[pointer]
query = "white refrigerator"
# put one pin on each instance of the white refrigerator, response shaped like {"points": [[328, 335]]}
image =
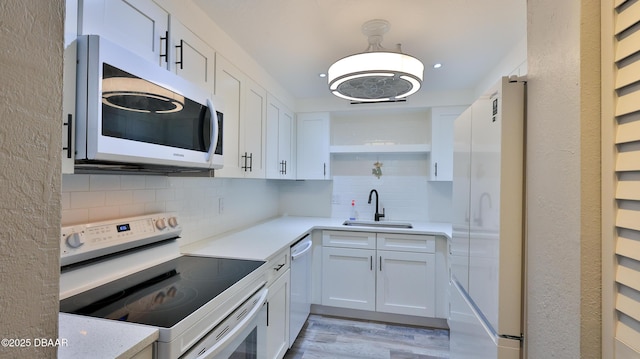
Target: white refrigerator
{"points": [[486, 250]]}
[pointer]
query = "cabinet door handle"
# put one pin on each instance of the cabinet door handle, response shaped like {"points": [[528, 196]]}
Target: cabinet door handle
{"points": [[181, 54], [69, 125], [244, 157], [279, 267], [324, 169], [285, 167], [436, 169], [166, 46], [380, 263], [267, 304], [370, 262], [251, 162]]}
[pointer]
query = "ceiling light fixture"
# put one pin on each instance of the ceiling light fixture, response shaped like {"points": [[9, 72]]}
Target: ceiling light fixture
{"points": [[377, 74]]}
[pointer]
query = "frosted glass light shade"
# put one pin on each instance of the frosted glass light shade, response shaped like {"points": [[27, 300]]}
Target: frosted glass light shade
{"points": [[375, 76]]}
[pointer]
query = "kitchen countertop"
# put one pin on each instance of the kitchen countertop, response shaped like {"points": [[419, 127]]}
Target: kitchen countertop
{"points": [[264, 240], [100, 338], [88, 337]]}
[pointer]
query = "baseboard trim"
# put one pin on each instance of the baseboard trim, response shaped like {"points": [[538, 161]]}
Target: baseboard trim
{"points": [[439, 323]]}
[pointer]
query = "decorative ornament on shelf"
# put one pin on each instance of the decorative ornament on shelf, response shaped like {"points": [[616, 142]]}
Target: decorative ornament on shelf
{"points": [[377, 169]]}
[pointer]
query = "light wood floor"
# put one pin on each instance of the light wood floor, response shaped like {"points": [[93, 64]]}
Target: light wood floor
{"points": [[328, 337]]}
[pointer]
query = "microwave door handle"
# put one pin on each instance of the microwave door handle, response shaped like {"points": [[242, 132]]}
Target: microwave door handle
{"points": [[214, 133]]}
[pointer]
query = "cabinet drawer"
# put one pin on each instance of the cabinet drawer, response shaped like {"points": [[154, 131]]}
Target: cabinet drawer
{"points": [[348, 239], [407, 242], [277, 266]]}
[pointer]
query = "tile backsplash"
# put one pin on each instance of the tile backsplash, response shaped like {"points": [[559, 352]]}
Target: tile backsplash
{"points": [[89, 198], [401, 180], [404, 189]]}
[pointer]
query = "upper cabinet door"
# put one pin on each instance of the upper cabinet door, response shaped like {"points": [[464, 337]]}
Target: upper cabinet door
{"points": [[138, 25], [313, 146], [244, 104], [285, 143], [442, 119], [252, 128], [280, 139], [228, 90], [191, 57]]}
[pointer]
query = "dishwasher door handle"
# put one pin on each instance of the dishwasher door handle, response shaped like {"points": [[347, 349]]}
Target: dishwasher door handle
{"points": [[303, 251]]}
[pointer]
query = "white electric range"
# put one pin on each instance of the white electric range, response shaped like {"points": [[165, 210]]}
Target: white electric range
{"points": [[131, 270]]}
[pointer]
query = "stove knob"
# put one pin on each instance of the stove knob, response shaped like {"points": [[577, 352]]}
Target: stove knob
{"points": [[173, 222], [161, 224], [74, 240]]}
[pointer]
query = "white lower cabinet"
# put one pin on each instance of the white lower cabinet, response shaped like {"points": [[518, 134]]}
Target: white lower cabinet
{"points": [[406, 283], [399, 281], [278, 307], [348, 278]]}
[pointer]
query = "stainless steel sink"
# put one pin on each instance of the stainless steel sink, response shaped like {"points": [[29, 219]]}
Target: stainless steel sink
{"points": [[380, 224]]}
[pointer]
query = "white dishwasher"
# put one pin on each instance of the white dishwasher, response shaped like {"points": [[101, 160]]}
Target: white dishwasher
{"points": [[300, 301]]}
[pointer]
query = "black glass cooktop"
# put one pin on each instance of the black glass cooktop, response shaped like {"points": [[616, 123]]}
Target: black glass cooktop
{"points": [[162, 295]]}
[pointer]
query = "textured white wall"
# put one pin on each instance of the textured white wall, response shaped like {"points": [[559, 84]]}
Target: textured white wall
{"points": [[562, 178], [30, 138]]}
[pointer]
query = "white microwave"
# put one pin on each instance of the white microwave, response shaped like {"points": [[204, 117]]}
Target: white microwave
{"points": [[133, 112]]}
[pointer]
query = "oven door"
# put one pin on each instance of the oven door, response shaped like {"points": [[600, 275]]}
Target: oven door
{"points": [[130, 111], [241, 335]]}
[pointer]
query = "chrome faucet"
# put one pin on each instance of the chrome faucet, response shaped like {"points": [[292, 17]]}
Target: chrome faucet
{"points": [[377, 216]]}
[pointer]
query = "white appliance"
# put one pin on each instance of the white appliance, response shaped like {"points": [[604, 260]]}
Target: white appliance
{"points": [[133, 112], [131, 270], [300, 301], [486, 251]]}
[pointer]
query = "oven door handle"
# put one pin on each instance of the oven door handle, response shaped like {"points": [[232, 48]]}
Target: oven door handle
{"points": [[214, 133], [229, 334]]}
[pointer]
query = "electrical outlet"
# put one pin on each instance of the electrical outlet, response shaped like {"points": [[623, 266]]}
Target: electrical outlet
{"points": [[220, 205]]}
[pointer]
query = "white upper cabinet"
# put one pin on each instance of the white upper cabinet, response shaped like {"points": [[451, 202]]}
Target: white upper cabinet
{"points": [[252, 128], [191, 57], [312, 149], [280, 141], [228, 90], [442, 119], [244, 107], [141, 26]]}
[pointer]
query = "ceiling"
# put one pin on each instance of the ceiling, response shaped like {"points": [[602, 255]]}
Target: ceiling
{"points": [[296, 40]]}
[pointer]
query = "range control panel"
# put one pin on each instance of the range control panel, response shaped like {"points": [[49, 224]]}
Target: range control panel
{"points": [[87, 241]]}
